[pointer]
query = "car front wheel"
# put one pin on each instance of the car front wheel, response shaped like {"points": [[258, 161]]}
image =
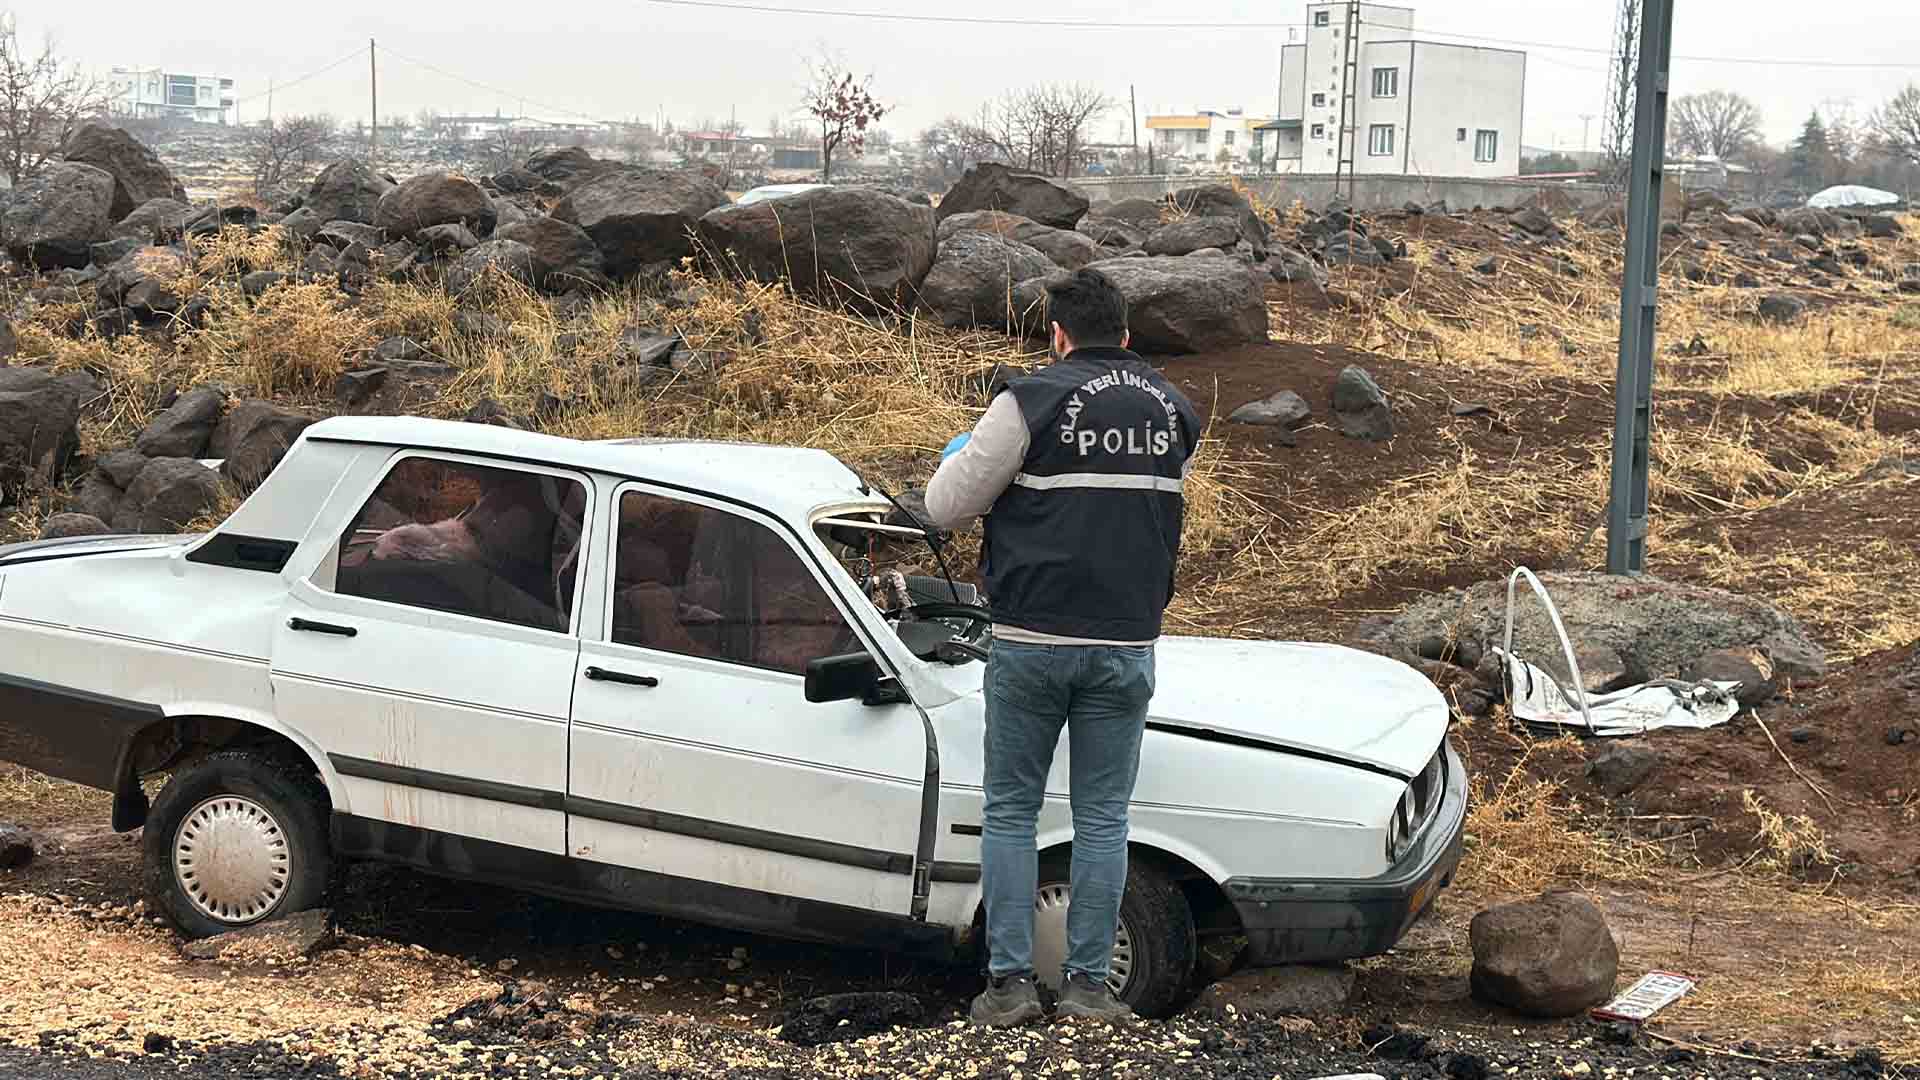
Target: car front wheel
{"points": [[236, 839], [1154, 946]]}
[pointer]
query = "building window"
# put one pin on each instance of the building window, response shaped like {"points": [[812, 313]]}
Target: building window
{"points": [[1321, 18], [1229, 137], [1319, 131], [1319, 101], [1380, 140], [1386, 82], [1462, 136], [1200, 137], [1486, 146]]}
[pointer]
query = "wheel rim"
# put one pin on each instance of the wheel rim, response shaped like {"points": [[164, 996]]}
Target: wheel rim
{"points": [[230, 859], [1050, 940]]}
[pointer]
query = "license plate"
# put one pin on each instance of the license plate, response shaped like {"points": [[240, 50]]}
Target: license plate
{"points": [[1648, 995], [1421, 894]]}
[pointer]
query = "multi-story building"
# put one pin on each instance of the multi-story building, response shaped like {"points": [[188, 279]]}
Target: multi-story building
{"points": [[1200, 134], [1424, 108], [154, 94]]}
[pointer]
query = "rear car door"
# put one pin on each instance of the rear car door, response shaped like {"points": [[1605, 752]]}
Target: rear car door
{"points": [[432, 652], [695, 753]]}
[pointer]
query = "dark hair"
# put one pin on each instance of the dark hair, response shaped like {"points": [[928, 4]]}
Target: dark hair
{"points": [[1088, 306]]}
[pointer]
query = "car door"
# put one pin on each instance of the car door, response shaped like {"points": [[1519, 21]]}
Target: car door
{"points": [[431, 653], [695, 752]]}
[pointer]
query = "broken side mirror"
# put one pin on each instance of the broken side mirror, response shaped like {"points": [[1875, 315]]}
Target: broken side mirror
{"points": [[850, 676]]}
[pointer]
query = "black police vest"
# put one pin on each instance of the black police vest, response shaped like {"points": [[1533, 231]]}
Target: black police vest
{"points": [[1084, 541]]}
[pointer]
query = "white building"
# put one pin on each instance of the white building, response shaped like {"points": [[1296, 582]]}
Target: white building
{"points": [[154, 94], [1421, 108], [1216, 137]]}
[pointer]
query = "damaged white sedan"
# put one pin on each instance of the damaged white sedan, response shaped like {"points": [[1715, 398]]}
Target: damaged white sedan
{"points": [[681, 677]]}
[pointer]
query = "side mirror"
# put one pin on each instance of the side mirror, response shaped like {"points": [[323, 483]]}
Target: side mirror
{"points": [[853, 675]]}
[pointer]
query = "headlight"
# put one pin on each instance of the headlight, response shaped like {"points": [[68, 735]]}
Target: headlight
{"points": [[1400, 827]]}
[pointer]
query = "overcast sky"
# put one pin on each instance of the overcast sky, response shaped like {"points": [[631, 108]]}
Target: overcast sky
{"points": [[611, 59]]}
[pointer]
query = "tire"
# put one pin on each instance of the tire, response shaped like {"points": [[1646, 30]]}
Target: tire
{"points": [[269, 815], [1157, 922]]}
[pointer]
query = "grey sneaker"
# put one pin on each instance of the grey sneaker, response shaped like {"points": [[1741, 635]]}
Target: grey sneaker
{"points": [[1008, 1001], [1081, 997]]}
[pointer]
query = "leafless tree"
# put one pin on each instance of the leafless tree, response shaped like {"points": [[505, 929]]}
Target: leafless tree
{"points": [[397, 124], [42, 100], [510, 148], [1716, 123], [842, 104], [951, 147], [1896, 127], [1042, 128], [285, 148]]}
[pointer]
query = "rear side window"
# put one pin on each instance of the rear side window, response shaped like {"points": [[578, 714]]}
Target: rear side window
{"points": [[493, 543], [697, 581]]}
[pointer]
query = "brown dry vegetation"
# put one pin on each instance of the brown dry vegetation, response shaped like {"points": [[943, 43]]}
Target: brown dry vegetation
{"points": [[1782, 469]]}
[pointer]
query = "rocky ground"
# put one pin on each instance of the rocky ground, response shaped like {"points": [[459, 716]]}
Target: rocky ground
{"points": [[1401, 406]]}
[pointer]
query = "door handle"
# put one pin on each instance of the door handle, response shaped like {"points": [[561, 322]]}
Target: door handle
{"points": [[598, 674], [298, 623]]}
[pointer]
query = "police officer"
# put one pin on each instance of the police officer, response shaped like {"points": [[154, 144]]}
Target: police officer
{"points": [[1078, 470]]}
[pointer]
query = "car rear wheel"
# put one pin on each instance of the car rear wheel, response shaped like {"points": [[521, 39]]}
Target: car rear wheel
{"points": [[236, 839], [1154, 946]]}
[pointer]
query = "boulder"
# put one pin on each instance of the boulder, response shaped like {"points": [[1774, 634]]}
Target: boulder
{"points": [[566, 167], [1221, 200], [167, 496], [992, 186], [481, 326], [1741, 228], [644, 346], [212, 220], [850, 245], [252, 438], [1882, 226], [1622, 766], [1488, 265], [1360, 407], [108, 252], [1708, 200], [1297, 990], [1350, 248], [563, 255], [1552, 957], [508, 257], [402, 349], [1067, 249], [355, 388], [156, 221], [1656, 627], [642, 220], [148, 282], [138, 174], [1142, 214], [1782, 308], [1745, 665], [9, 341], [186, 426], [38, 414], [54, 219], [846, 1017], [302, 223], [16, 847], [1193, 234], [347, 190], [1286, 264], [344, 234], [256, 284], [1113, 233], [65, 526], [1177, 305], [435, 198], [277, 941], [508, 212], [973, 278], [1534, 221], [1285, 409]]}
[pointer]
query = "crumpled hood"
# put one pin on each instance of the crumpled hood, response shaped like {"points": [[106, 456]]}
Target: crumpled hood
{"points": [[1320, 699], [76, 546]]}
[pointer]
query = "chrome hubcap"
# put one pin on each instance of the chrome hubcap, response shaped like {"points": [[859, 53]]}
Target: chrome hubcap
{"points": [[231, 860], [1050, 941]]}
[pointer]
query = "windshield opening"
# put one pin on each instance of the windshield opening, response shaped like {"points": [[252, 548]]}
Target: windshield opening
{"points": [[897, 570]]}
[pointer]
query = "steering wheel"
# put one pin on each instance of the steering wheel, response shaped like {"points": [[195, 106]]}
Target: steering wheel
{"points": [[966, 643]]}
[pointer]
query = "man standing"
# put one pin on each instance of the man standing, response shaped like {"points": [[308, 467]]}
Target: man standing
{"points": [[1078, 469]]}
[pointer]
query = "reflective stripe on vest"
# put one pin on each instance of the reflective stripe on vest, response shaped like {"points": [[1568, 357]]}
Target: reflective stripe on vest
{"points": [[1118, 481]]}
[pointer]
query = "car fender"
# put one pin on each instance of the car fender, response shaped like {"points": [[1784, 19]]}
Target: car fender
{"points": [[226, 710], [1137, 837]]}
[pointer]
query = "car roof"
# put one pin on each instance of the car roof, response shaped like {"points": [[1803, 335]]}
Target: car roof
{"points": [[790, 481]]}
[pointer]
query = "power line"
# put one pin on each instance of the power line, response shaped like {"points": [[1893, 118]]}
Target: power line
{"points": [[525, 100], [316, 73], [1076, 24]]}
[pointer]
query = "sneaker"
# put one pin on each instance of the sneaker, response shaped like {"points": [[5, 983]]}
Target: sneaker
{"points": [[1007, 1001], [1083, 997]]}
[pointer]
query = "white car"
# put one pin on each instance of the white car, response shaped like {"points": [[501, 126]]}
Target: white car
{"points": [[682, 677]]}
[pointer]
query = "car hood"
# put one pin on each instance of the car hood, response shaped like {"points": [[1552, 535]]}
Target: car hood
{"points": [[1324, 700], [76, 546]]}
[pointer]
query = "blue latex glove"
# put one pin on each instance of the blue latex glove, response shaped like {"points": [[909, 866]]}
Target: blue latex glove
{"points": [[953, 447]]}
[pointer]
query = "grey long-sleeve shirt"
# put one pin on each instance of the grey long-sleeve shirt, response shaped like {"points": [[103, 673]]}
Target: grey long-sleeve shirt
{"points": [[967, 485]]}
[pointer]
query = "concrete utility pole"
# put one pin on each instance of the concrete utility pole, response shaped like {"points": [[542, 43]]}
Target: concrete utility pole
{"points": [[1639, 296], [373, 130], [1133, 107]]}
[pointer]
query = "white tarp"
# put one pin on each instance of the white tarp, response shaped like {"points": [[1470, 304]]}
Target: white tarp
{"points": [[1536, 697], [1836, 198]]}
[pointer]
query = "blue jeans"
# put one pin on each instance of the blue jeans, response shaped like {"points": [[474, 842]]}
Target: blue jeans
{"points": [[1100, 694]]}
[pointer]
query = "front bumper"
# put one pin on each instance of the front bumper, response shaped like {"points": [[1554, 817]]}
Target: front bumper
{"points": [[1304, 921]]}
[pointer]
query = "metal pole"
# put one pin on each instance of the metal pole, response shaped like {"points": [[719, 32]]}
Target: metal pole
{"points": [[373, 132], [1639, 298], [1133, 106]]}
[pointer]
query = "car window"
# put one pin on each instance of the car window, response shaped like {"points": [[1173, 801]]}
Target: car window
{"points": [[699, 581], [493, 543]]}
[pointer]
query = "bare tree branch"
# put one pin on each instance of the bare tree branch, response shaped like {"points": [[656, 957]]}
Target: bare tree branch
{"points": [[1896, 126], [42, 101], [285, 148], [1042, 128], [1717, 123]]}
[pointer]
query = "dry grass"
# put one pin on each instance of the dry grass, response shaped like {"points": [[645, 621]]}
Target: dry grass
{"points": [[294, 339]]}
